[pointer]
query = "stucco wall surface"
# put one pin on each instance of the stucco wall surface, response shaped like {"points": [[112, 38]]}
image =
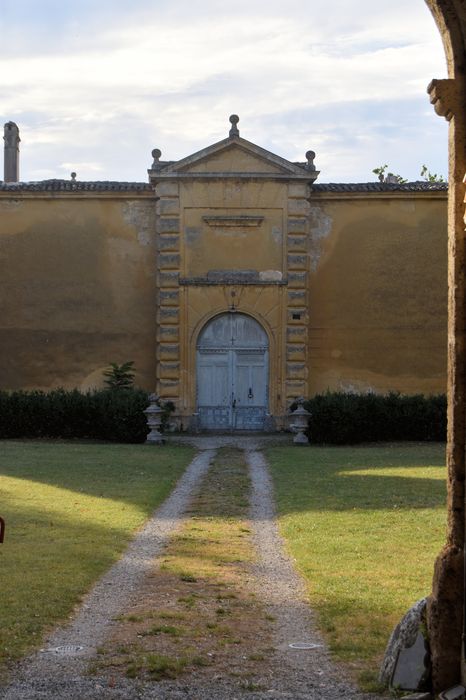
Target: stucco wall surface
{"points": [[378, 294], [78, 286], [77, 290]]}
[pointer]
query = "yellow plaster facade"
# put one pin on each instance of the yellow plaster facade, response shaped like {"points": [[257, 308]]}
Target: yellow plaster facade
{"points": [[347, 281]]}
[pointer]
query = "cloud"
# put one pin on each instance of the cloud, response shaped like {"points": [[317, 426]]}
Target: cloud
{"points": [[86, 76]]}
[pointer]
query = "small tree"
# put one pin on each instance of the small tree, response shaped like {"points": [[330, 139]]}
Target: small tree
{"points": [[120, 376], [387, 177], [431, 177]]}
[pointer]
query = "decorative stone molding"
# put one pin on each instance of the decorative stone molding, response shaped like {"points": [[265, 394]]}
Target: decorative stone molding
{"points": [[231, 278], [236, 221], [445, 97]]}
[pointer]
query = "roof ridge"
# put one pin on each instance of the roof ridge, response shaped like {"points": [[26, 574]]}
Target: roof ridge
{"points": [[415, 186], [62, 185]]}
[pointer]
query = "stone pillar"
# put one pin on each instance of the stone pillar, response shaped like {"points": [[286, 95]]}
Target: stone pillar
{"points": [[168, 308], [11, 152], [297, 306], [445, 609]]}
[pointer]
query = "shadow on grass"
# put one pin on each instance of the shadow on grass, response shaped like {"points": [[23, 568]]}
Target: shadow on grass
{"points": [[47, 562], [125, 473], [359, 478]]}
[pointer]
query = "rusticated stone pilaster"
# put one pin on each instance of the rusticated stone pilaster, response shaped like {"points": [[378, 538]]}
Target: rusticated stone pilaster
{"points": [[297, 311], [168, 306]]}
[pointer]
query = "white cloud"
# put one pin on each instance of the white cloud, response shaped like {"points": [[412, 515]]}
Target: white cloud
{"points": [[169, 74]]}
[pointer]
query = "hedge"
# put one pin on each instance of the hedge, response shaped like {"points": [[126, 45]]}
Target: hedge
{"points": [[338, 418], [117, 416], [114, 415]]}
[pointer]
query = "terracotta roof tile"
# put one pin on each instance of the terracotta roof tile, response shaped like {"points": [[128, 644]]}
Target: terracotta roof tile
{"points": [[114, 186], [75, 186], [419, 186]]}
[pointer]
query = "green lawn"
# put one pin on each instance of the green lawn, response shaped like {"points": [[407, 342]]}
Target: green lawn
{"points": [[364, 525], [70, 510]]}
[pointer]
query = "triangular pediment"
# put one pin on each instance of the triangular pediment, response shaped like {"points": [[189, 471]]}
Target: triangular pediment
{"points": [[234, 156]]}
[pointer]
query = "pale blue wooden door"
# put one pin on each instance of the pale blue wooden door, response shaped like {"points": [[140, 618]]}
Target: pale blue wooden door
{"points": [[250, 389], [232, 370], [214, 394]]}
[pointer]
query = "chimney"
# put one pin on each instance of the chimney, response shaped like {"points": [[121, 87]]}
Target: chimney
{"points": [[11, 152]]}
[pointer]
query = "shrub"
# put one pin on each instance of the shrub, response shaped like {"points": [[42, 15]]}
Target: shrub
{"points": [[120, 376], [100, 415], [338, 418]]}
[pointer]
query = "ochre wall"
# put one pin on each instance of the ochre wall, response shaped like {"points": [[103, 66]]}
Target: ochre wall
{"points": [[77, 289], [378, 293]]}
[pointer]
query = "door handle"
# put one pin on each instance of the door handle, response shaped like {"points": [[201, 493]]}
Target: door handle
{"points": [[234, 403], [250, 394]]}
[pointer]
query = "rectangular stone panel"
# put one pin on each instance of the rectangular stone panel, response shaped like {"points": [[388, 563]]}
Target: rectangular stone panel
{"points": [[169, 189], [169, 242], [169, 278], [169, 297], [297, 225], [296, 316], [169, 261], [170, 370], [296, 353], [298, 206], [297, 334], [297, 244], [169, 351], [168, 225], [295, 370], [296, 297], [295, 388], [297, 262], [298, 190], [168, 334], [169, 389], [169, 314], [169, 206], [297, 279]]}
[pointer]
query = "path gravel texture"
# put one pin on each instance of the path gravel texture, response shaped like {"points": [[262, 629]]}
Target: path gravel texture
{"points": [[293, 674], [49, 674]]}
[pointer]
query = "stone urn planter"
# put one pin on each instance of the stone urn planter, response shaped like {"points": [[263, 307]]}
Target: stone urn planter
{"points": [[154, 419], [299, 419]]}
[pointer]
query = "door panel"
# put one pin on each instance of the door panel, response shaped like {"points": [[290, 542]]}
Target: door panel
{"points": [[214, 394], [232, 370], [250, 391]]}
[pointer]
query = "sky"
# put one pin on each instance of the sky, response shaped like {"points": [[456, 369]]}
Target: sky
{"points": [[95, 85]]}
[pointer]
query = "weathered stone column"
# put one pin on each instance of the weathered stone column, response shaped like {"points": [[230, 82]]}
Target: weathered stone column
{"points": [[168, 273], [297, 312], [11, 152], [446, 603]]}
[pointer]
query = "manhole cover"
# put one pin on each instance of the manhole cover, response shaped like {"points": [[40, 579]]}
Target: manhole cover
{"points": [[66, 649], [304, 645]]}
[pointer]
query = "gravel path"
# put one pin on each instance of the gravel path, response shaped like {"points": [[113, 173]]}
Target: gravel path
{"points": [[293, 674], [49, 674], [299, 674]]}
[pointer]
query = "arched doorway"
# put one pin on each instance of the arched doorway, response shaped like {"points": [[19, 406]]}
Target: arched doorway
{"points": [[232, 374]]}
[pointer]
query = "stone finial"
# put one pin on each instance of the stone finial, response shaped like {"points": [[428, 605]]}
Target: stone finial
{"points": [[156, 153], [73, 177], [234, 131], [11, 152], [310, 155]]}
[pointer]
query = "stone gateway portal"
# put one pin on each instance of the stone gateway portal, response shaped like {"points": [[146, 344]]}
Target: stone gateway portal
{"points": [[232, 374]]}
